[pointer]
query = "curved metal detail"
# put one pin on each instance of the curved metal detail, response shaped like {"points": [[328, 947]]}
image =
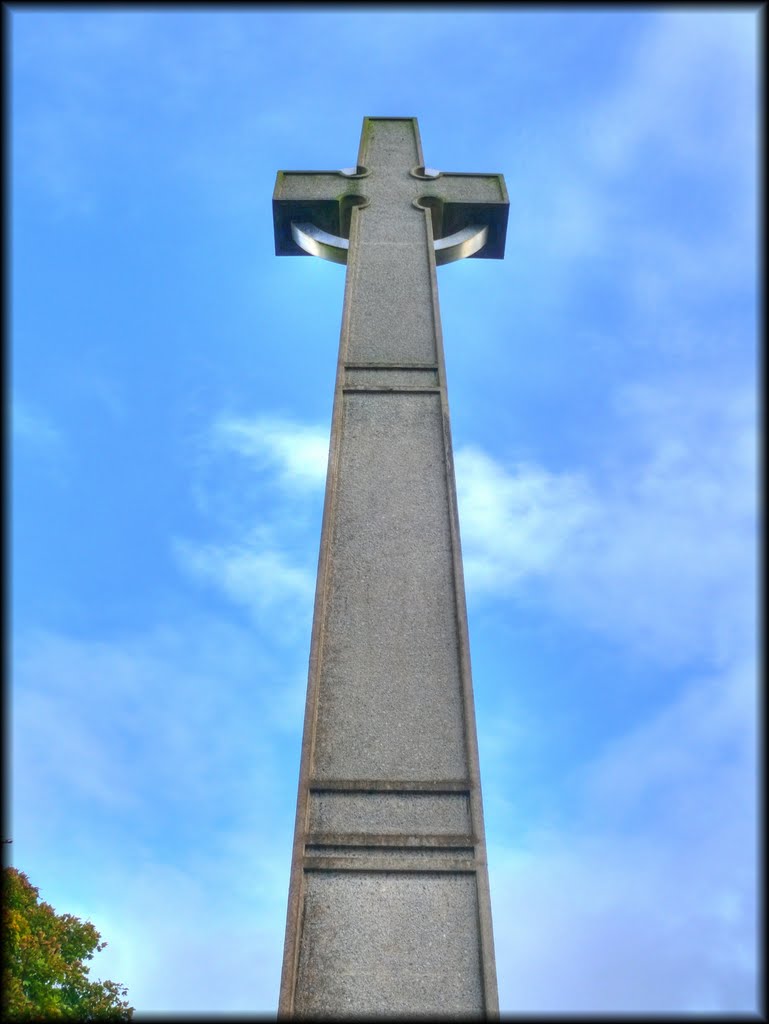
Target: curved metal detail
{"points": [[321, 243], [461, 244]]}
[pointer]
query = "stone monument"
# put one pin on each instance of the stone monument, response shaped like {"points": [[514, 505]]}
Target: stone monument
{"points": [[388, 909]]}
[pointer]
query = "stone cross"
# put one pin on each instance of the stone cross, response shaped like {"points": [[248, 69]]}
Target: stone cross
{"points": [[388, 910]]}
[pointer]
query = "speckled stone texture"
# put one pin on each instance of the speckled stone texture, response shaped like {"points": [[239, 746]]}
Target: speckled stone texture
{"points": [[389, 910], [384, 945], [387, 377], [417, 814], [390, 705]]}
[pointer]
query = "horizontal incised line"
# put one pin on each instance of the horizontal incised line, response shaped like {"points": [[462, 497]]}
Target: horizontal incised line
{"points": [[396, 388], [342, 850], [391, 378], [457, 840], [389, 786], [391, 366], [453, 865]]}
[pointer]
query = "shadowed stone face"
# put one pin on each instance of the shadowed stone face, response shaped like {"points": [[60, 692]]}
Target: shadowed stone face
{"points": [[388, 909]]}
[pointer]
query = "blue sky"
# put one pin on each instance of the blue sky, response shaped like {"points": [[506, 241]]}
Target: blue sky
{"points": [[171, 385]]}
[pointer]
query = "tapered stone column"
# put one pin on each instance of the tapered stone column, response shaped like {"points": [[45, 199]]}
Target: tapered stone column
{"points": [[389, 909]]}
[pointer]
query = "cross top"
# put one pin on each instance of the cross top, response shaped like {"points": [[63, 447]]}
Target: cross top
{"points": [[319, 212]]}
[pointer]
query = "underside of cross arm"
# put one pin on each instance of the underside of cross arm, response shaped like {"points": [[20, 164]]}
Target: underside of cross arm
{"points": [[316, 197], [472, 199]]}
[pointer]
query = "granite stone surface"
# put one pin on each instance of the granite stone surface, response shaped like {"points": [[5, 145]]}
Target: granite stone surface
{"points": [[390, 704], [390, 813], [404, 856], [389, 945], [388, 377], [391, 314]]}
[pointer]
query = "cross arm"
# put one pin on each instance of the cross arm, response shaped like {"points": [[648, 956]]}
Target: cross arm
{"points": [[458, 201], [322, 198]]}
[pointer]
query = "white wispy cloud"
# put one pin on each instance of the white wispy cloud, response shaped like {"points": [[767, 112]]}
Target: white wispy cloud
{"points": [[257, 576], [648, 895], [696, 753], [657, 547], [168, 744], [298, 451], [673, 131], [268, 568], [688, 75], [685, 111], [645, 888], [516, 523], [33, 427], [85, 735], [597, 922], [220, 956]]}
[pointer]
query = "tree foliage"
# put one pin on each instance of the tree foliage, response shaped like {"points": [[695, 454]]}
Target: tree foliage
{"points": [[44, 970]]}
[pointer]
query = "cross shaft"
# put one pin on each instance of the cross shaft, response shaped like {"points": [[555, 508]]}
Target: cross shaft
{"points": [[388, 905]]}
